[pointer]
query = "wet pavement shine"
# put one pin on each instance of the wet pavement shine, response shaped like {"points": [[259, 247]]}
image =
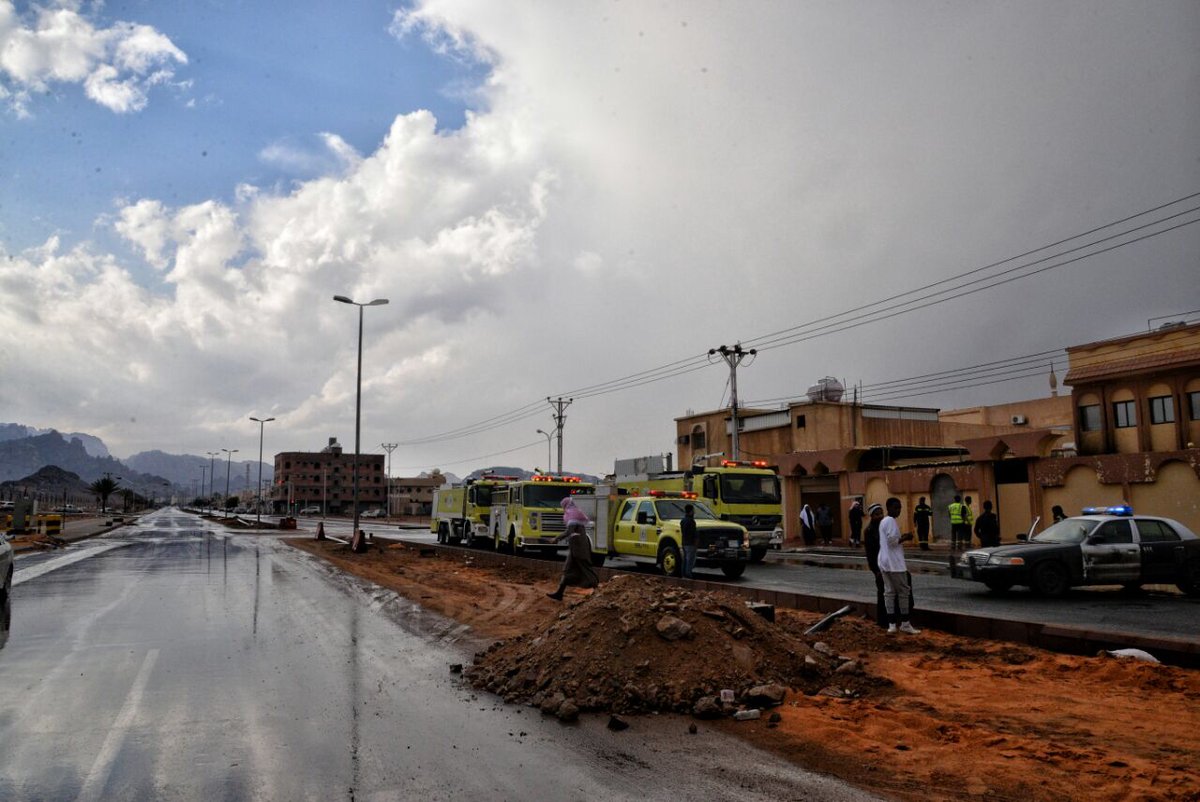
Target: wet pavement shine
{"points": [[172, 659]]}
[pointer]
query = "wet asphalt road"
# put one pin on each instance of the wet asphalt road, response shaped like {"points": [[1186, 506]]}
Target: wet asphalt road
{"points": [[171, 660]]}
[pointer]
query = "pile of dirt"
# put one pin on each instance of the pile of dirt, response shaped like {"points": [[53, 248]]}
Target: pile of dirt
{"points": [[637, 646]]}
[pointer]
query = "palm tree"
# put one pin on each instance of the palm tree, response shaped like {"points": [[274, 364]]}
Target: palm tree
{"points": [[104, 488]]}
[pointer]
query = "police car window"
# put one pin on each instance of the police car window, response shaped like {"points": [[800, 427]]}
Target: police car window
{"points": [[648, 508], [627, 513], [1156, 532], [1113, 532]]}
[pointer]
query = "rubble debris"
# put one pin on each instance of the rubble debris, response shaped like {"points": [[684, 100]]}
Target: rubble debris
{"points": [[635, 646]]}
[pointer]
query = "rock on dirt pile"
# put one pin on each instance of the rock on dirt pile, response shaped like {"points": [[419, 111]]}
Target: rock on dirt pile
{"points": [[637, 646]]}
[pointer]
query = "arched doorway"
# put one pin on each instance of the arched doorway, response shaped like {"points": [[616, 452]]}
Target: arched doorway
{"points": [[941, 492]]}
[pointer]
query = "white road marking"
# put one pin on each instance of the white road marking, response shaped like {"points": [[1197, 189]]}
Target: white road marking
{"points": [[43, 568], [97, 778]]}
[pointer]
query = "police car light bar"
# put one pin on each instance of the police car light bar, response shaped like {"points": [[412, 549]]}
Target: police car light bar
{"points": [[1120, 509]]}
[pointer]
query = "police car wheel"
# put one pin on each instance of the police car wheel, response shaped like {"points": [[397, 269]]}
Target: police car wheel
{"points": [[1191, 577], [1050, 578], [998, 586]]}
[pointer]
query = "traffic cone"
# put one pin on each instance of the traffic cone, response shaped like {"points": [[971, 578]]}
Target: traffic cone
{"points": [[320, 530]]}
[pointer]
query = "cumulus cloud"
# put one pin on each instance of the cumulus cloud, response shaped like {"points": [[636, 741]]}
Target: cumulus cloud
{"points": [[639, 185], [58, 45]]}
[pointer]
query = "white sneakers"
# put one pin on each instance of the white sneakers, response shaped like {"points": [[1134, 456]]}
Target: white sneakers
{"points": [[906, 628]]}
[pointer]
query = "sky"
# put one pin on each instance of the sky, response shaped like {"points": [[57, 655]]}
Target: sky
{"points": [[576, 200]]}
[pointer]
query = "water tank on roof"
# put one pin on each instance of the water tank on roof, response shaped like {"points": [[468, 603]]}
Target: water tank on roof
{"points": [[826, 389]]}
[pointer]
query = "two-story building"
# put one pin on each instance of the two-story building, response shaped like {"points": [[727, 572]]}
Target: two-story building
{"points": [[325, 479], [413, 495]]}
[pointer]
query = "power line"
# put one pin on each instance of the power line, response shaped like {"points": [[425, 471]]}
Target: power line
{"points": [[836, 324]]}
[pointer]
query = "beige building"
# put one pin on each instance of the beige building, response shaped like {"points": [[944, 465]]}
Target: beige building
{"points": [[413, 495], [1127, 433], [325, 479]]}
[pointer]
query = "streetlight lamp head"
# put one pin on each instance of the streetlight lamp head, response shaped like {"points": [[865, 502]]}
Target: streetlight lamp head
{"points": [[261, 420], [377, 302], [342, 299]]}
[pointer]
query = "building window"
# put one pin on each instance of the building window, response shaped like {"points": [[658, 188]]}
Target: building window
{"points": [[1162, 409], [799, 421], [698, 440], [1124, 414], [1194, 404], [1089, 418]]}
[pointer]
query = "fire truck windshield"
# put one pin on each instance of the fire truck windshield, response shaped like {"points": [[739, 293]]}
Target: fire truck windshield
{"points": [[672, 510], [740, 488], [545, 495]]}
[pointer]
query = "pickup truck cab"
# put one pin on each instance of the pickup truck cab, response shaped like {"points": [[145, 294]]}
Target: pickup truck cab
{"points": [[645, 529]]}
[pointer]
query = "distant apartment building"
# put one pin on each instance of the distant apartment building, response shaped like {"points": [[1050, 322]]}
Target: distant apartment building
{"points": [[325, 479], [413, 495]]}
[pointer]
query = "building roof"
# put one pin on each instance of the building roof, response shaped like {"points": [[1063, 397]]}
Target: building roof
{"points": [[1147, 363]]}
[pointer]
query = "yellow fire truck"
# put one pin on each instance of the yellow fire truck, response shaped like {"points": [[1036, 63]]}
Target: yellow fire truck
{"points": [[527, 514], [745, 493], [461, 513]]}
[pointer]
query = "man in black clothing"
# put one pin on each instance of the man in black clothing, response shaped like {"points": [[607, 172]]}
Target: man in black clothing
{"points": [[987, 527], [687, 534], [856, 522], [871, 545], [922, 515]]}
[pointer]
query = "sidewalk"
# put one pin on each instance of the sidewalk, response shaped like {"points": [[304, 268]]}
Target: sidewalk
{"points": [[934, 560]]}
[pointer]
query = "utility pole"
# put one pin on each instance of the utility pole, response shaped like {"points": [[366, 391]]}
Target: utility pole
{"points": [[733, 357], [387, 492], [560, 420]]}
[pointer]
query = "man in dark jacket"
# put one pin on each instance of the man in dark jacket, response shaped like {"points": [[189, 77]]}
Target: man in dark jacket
{"points": [[871, 545], [856, 522], [987, 527], [687, 534], [922, 515]]}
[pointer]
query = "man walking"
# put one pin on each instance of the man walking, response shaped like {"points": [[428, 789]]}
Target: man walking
{"points": [[856, 523], [687, 534], [892, 566], [922, 515]]}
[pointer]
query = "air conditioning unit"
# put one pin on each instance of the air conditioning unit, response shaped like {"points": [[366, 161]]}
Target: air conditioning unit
{"points": [[1019, 420]]}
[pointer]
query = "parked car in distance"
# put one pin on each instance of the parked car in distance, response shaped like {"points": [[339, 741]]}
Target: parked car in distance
{"points": [[1104, 546], [311, 511], [376, 513]]}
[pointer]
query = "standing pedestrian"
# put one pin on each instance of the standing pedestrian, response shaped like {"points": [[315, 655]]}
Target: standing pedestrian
{"points": [[687, 534], [856, 523], [968, 524], [825, 524], [956, 523], [577, 569], [896, 579], [871, 545], [987, 527], [808, 526], [922, 515], [1057, 512]]}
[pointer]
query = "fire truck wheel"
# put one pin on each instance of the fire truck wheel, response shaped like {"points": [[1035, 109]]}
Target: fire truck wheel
{"points": [[668, 560], [513, 548], [441, 536], [733, 570]]}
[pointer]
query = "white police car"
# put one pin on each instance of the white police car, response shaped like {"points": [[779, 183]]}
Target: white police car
{"points": [[1104, 546]]}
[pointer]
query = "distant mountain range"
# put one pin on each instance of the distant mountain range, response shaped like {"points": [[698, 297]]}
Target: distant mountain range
{"points": [[25, 450]]}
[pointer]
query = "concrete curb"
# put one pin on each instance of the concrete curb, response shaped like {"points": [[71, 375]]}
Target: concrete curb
{"points": [[1056, 638]]}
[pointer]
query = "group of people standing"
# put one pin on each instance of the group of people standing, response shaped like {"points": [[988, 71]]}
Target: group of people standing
{"points": [[963, 523]]}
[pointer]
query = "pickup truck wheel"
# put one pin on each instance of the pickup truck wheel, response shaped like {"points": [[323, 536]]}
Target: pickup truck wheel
{"points": [[998, 585], [1191, 577], [757, 554], [733, 570], [1050, 578], [669, 561]]}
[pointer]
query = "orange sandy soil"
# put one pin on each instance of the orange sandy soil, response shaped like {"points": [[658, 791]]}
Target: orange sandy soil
{"points": [[952, 718]]}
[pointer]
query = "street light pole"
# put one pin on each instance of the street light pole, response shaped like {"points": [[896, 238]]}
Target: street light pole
{"points": [[212, 478], [548, 438], [262, 422], [387, 488], [356, 544], [228, 463]]}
